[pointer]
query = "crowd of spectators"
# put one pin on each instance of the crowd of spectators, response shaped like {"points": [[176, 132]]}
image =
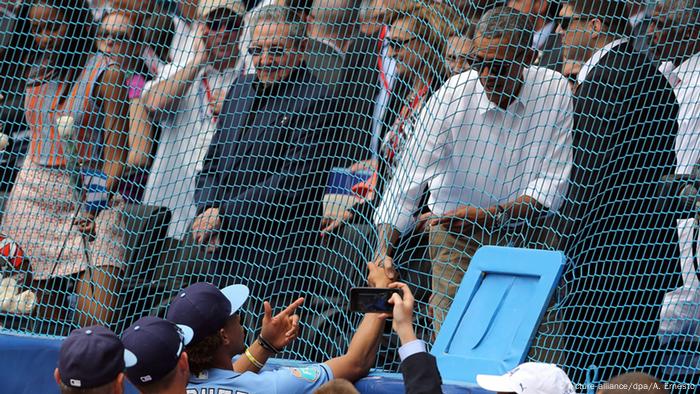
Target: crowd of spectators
{"points": [[468, 121]]}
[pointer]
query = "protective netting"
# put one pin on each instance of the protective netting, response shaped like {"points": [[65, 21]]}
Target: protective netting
{"points": [[153, 144]]}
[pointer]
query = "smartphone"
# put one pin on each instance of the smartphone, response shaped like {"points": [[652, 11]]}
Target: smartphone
{"points": [[371, 299]]}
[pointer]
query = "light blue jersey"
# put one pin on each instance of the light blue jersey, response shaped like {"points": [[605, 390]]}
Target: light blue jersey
{"points": [[303, 379]]}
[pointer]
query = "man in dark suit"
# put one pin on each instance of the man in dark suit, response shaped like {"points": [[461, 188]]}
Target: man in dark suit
{"points": [[259, 194], [621, 228]]}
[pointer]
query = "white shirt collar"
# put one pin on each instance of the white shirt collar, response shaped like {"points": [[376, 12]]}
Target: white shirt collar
{"points": [[668, 69], [688, 68], [595, 59], [540, 37]]}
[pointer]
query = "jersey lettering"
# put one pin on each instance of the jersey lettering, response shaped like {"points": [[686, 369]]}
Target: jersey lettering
{"points": [[207, 390]]}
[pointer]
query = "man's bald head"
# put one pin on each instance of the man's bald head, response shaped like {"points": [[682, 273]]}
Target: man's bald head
{"points": [[633, 383]]}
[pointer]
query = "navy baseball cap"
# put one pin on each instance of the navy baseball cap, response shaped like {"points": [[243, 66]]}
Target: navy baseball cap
{"points": [[90, 357], [205, 309], [152, 348]]}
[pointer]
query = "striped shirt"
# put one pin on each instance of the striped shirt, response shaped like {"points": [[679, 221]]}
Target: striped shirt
{"points": [[44, 107]]}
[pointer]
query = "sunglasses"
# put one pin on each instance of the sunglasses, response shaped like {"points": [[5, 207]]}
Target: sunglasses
{"points": [[496, 67], [273, 51], [398, 44], [565, 21]]}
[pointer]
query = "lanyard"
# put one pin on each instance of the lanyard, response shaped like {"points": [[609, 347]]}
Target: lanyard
{"points": [[406, 112], [380, 59]]}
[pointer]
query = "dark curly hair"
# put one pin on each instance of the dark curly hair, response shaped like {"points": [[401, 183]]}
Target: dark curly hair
{"points": [[201, 354]]}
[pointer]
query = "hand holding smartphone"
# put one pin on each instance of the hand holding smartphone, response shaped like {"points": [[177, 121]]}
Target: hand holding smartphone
{"points": [[372, 299]]}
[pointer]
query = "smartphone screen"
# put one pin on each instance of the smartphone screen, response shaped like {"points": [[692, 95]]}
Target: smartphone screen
{"points": [[371, 299]]}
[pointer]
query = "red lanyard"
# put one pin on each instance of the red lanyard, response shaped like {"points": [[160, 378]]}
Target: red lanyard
{"points": [[210, 98], [406, 111], [380, 60]]}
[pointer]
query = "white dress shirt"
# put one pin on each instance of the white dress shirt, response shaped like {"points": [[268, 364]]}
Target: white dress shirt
{"points": [[688, 153], [595, 59], [382, 100], [470, 152], [185, 137], [688, 95], [668, 69], [409, 349]]}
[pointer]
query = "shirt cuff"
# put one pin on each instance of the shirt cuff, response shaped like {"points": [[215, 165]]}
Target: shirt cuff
{"points": [[411, 348]]}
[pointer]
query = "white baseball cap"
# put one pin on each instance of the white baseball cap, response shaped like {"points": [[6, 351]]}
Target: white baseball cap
{"points": [[529, 378]]}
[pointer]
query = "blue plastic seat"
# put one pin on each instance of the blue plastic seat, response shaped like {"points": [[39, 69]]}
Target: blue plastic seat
{"points": [[496, 311]]}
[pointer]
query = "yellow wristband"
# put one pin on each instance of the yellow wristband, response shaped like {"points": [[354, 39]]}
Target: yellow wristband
{"points": [[252, 359]]}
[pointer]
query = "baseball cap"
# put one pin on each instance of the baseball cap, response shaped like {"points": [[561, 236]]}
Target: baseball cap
{"points": [[529, 378], [152, 348], [90, 357], [206, 6], [204, 309]]}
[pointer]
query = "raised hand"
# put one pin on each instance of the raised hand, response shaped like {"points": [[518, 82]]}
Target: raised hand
{"points": [[402, 314], [283, 328]]}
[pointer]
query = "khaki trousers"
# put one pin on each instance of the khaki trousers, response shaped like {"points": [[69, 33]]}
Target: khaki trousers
{"points": [[451, 254]]}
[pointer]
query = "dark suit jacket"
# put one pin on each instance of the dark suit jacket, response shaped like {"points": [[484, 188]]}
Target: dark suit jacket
{"points": [[623, 243], [324, 61], [625, 127], [353, 102], [421, 375], [267, 179]]}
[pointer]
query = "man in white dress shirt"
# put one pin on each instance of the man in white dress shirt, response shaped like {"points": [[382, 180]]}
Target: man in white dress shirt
{"points": [[186, 101], [675, 33], [493, 143], [674, 30]]}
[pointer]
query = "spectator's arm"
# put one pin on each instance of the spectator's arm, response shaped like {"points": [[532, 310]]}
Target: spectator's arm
{"points": [[548, 189], [140, 135], [113, 94], [419, 368], [164, 95]]}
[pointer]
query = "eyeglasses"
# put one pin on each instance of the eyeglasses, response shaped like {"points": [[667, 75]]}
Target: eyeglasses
{"points": [[116, 36], [496, 67], [565, 21], [398, 44], [273, 51]]}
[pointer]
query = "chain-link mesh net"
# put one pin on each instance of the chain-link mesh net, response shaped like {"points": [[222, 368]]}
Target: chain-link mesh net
{"points": [[149, 145]]}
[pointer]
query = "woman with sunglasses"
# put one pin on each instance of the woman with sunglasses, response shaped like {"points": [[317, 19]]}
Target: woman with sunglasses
{"points": [[76, 108], [186, 102], [416, 46]]}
